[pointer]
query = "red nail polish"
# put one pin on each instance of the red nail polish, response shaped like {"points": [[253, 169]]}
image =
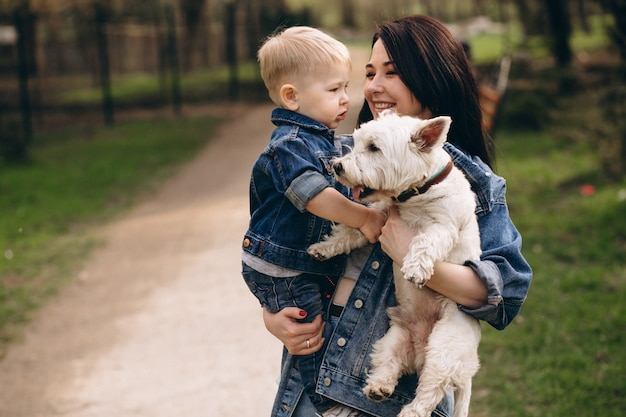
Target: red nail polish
{"points": [[302, 313]]}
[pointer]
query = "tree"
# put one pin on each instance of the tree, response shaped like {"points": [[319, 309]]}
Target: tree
{"points": [[582, 11], [192, 12], [527, 13], [617, 8], [615, 107], [560, 30], [347, 14]]}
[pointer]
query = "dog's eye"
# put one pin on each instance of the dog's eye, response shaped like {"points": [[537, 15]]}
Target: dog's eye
{"points": [[373, 147]]}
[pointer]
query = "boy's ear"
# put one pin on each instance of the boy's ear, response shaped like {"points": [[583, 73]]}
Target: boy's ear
{"points": [[289, 97]]}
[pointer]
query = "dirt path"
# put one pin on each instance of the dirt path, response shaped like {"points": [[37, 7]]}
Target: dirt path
{"points": [[159, 322]]}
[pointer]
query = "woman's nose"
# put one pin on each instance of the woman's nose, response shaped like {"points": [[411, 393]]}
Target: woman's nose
{"points": [[373, 86]]}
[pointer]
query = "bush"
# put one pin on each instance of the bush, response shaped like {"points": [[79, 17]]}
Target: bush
{"points": [[526, 109], [13, 143]]}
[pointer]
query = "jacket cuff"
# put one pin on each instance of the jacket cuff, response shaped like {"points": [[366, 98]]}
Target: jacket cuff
{"points": [[304, 188], [492, 312]]}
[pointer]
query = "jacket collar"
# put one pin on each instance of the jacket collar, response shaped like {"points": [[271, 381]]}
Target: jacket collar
{"points": [[282, 116]]}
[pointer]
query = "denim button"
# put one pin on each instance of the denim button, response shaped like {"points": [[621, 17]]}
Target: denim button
{"points": [[327, 381], [375, 265], [358, 303], [341, 342], [246, 243]]}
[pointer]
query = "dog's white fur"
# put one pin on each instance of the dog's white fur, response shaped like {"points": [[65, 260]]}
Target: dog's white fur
{"points": [[428, 333]]}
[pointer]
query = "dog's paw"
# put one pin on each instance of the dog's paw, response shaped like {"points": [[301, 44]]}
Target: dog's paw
{"points": [[414, 409], [409, 413], [378, 392], [417, 273], [418, 281], [321, 251]]}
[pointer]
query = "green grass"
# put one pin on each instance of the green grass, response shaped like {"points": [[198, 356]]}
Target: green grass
{"points": [[564, 355], [78, 178], [146, 89], [488, 47]]}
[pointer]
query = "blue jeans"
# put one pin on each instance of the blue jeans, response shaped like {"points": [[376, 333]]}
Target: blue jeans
{"points": [[305, 292]]}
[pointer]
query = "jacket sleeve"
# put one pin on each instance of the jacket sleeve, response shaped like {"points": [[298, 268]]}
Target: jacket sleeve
{"points": [[296, 171], [502, 267]]}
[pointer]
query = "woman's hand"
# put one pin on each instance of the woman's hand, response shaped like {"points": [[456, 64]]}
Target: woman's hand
{"points": [[457, 282], [395, 237], [299, 338]]}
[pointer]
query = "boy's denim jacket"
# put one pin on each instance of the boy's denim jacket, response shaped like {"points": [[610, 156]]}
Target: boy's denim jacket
{"points": [[364, 320], [294, 167]]}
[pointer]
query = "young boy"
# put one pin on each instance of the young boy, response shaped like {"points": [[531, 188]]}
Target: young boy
{"points": [[294, 197]]}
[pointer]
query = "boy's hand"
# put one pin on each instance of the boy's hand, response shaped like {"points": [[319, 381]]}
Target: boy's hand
{"points": [[373, 224]]}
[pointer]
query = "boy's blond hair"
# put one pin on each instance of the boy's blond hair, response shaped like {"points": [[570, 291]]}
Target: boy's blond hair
{"points": [[295, 52]]}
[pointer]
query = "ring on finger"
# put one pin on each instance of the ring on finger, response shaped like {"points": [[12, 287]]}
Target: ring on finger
{"points": [[308, 343]]}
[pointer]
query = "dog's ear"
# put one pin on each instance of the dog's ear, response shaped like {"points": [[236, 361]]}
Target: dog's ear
{"points": [[431, 133]]}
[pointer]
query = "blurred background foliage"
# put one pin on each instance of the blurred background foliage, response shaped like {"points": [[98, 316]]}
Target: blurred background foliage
{"points": [[92, 58]]}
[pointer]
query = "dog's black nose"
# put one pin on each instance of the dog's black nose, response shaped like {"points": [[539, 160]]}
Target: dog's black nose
{"points": [[338, 168]]}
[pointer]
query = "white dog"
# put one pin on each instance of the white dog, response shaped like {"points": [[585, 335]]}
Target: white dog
{"points": [[400, 160]]}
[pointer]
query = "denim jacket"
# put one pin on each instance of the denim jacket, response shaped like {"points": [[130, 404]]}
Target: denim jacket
{"points": [[364, 320], [293, 168]]}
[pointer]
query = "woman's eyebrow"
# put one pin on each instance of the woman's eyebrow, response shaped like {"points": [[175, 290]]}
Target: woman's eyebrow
{"points": [[385, 64]]}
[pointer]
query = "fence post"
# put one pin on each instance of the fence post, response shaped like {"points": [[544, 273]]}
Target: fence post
{"points": [[231, 49], [105, 70], [172, 48]]}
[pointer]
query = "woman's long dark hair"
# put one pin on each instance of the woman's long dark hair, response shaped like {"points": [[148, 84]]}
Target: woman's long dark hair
{"points": [[434, 66]]}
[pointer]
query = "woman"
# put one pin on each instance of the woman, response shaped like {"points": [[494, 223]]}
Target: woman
{"points": [[419, 69]]}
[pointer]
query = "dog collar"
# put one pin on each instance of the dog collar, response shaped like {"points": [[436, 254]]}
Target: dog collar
{"points": [[436, 178]]}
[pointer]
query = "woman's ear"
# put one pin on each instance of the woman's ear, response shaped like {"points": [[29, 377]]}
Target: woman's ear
{"points": [[289, 97]]}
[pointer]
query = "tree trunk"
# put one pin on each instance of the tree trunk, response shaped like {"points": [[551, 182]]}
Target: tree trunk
{"points": [[617, 8], [192, 12], [615, 107], [582, 15], [254, 31], [560, 30], [347, 14]]}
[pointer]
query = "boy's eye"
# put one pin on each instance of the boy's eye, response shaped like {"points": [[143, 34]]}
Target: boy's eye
{"points": [[369, 75]]}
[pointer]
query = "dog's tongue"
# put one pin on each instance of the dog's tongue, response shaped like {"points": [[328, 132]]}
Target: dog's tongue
{"points": [[356, 192]]}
